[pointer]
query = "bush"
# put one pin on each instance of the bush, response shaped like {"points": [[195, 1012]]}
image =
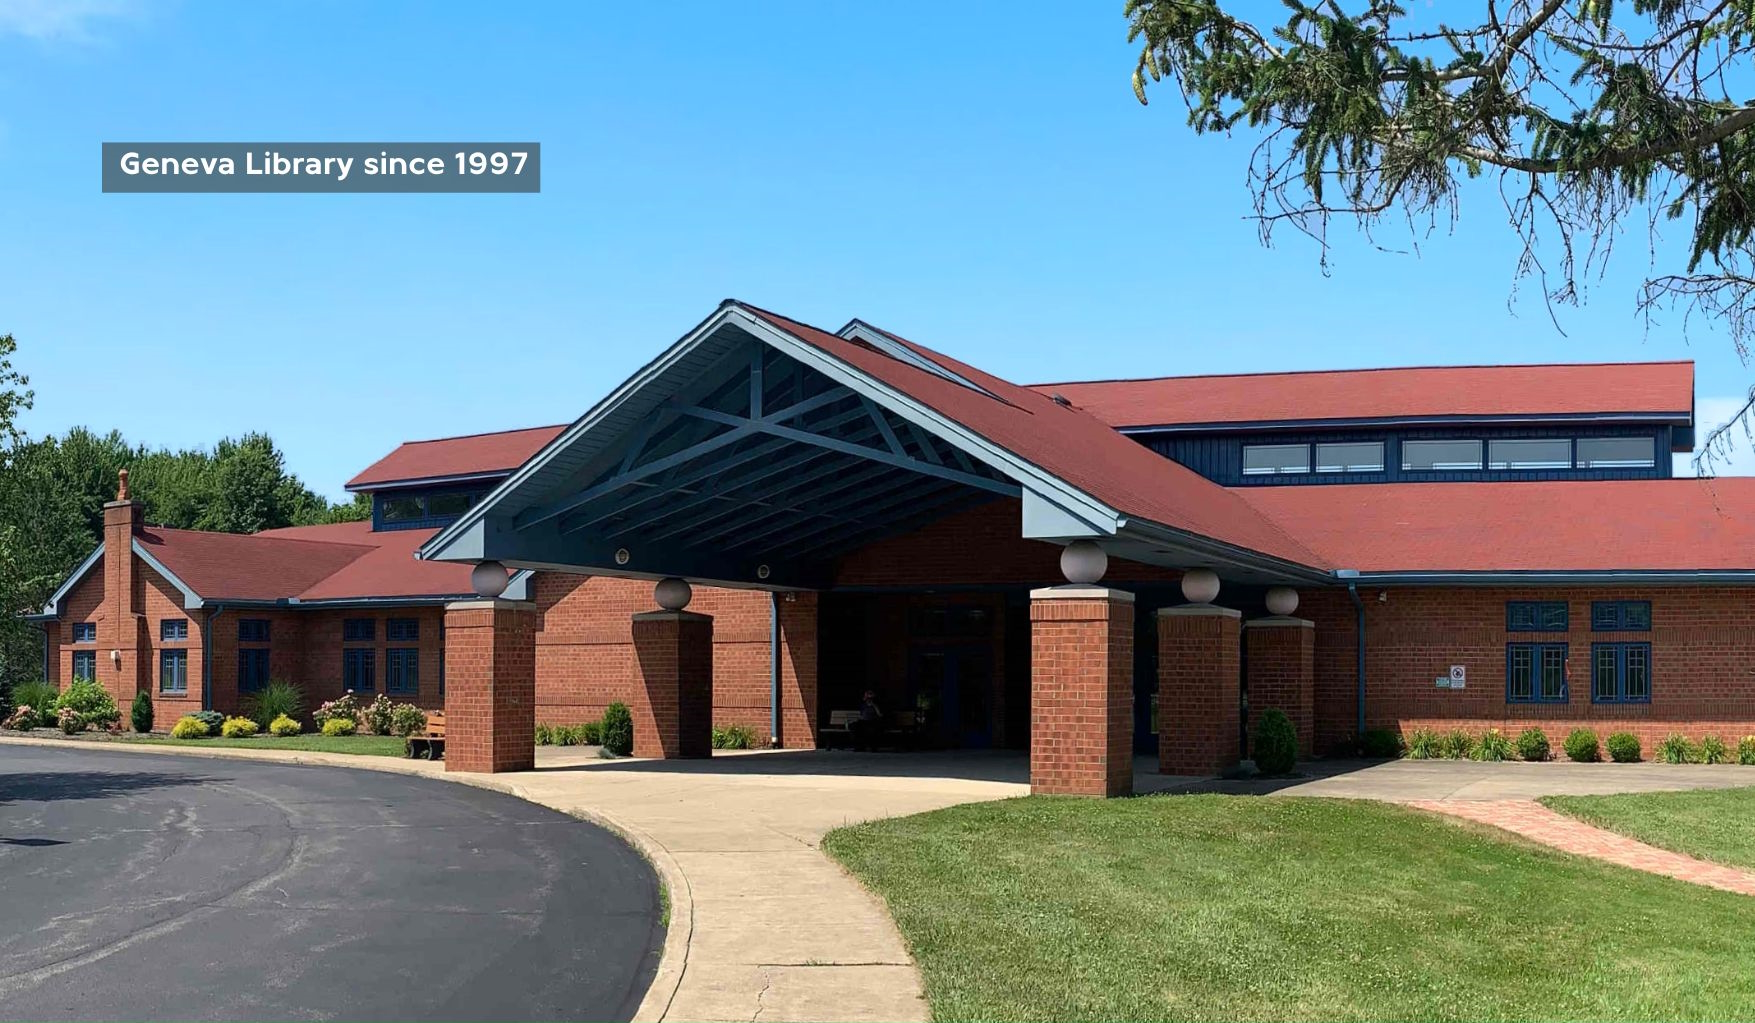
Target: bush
{"points": [[1532, 744], [379, 716], [545, 735], [1746, 751], [41, 697], [407, 719], [189, 727], [213, 719], [591, 733], [346, 707], [275, 700], [90, 702], [566, 735], [140, 715], [68, 720], [23, 718], [284, 726], [1381, 742], [1276, 743], [1623, 748], [1423, 744], [735, 737], [1675, 749], [1581, 746], [1494, 747], [239, 728], [1456, 745], [340, 726], [1713, 750], [618, 729]]}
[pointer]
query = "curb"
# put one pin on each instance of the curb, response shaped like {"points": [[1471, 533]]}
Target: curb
{"points": [[673, 957]]}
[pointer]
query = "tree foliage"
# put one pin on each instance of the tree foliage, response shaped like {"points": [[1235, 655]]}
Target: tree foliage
{"points": [[1588, 113]]}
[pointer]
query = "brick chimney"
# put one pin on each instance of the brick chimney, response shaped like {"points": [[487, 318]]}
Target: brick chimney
{"points": [[121, 631]]}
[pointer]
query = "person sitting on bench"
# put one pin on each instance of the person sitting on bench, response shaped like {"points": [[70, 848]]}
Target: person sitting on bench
{"points": [[870, 724]]}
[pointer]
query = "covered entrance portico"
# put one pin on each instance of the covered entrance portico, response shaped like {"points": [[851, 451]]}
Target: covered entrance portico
{"points": [[934, 534]]}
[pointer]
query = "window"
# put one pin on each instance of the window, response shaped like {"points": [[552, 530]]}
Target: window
{"points": [[252, 669], [1620, 616], [173, 630], [1440, 455], [1275, 459], [401, 509], [359, 630], [85, 632], [359, 671], [1535, 616], [252, 630], [402, 671], [1529, 454], [85, 664], [1535, 672], [441, 505], [1616, 452], [1352, 456], [173, 671], [402, 630], [1620, 672]]}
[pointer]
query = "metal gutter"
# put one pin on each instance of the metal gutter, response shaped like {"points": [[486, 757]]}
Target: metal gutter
{"points": [[207, 658], [1359, 619], [1549, 577], [428, 481], [774, 667]]}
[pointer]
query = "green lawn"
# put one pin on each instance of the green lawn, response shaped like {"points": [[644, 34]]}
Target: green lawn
{"points": [[1228, 907], [364, 745], [1713, 824]]}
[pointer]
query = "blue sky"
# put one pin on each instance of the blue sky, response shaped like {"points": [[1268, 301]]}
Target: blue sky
{"points": [[976, 177]]}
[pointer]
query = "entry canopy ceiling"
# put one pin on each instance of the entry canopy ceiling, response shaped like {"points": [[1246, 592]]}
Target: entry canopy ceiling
{"points": [[756, 451]]}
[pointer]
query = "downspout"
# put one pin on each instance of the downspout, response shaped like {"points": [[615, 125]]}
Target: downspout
{"points": [[207, 658], [774, 668], [48, 672], [1359, 643]]}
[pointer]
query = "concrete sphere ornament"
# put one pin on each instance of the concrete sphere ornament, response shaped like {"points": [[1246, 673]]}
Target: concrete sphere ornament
{"points": [[489, 579], [1282, 600], [1083, 562], [1200, 585], [672, 594]]}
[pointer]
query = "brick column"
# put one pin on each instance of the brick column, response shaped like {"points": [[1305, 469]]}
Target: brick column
{"points": [[1198, 688], [1081, 691], [122, 626], [798, 671], [490, 685], [673, 710], [1282, 672]]}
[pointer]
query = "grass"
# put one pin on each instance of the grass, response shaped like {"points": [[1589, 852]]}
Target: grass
{"points": [[1712, 824], [364, 745], [1240, 908]]}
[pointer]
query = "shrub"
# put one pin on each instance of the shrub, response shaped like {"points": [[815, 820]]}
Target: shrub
{"points": [[740, 737], [618, 729], [407, 719], [23, 718], [345, 707], [379, 715], [340, 726], [1381, 742], [1456, 745], [566, 735], [1714, 751], [1623, 748], [189, 727], [213, 719], [239, 728], [591, 733], [284, 726], [1532, 744], [68, 720], [545, 735], [275, 700], [1581, 746], [39, 696], [1746, 751], [1423, 744], [1494, 747], [1276, 743], [1675, 749], [140, 715], [90, 702]]}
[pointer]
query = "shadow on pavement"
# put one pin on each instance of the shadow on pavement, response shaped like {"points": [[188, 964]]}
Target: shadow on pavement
{"points": [[51, 786]]}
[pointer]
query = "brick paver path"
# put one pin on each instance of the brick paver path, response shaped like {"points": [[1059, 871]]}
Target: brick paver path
{"points": [[1540, 824]]}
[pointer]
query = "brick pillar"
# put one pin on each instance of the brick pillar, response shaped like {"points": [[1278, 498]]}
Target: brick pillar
{"points": [[123, 649], [1198, 689], [490, 685], [673, 710], [1282, 672], [1081, 691], [798, 671]]}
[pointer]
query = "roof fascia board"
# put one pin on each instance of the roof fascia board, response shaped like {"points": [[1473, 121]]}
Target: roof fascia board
{"points": [[191, 599], [861, 331], [427, 481], [1600, 577], [1158, 534], [53, 607], [1257, 425]]}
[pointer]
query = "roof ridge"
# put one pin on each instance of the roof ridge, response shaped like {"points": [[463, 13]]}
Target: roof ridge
{"points": [[260, 536], [1365, 369], [483, 433]]}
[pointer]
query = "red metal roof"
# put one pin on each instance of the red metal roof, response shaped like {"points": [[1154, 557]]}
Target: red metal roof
{"points": [[447, 457], [1635, 387], [1629, 525]]}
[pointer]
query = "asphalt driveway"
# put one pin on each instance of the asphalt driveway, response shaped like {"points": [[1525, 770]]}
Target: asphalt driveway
{"points": [[204, 889]]}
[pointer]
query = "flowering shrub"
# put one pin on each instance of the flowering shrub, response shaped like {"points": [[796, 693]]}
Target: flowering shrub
{"points": [[90, 703], [407, 719], [346, 707], [238, 728], [340, 726], [190, 727], [378, 714], [23, 718], [69, 721], [284, 726]]}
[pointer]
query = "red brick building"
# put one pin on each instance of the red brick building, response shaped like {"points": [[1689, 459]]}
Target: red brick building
{"points": [[1083, 570]]}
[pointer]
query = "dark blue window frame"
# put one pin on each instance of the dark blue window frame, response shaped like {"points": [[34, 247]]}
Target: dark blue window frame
{"points": [[402, 671], [85, 632], [85, 664], [1625, 662], [359, 671], [1536, 616], [1620, 616], [359, 630], [173, 630], [1535, 659], [423, 509], [173, 671], [402, 630], [253, 630], [252, 669]]}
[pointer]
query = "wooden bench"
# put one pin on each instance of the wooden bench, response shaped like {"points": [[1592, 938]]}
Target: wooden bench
{"points": [[840, 727], [430, 746], [901, 729]]}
